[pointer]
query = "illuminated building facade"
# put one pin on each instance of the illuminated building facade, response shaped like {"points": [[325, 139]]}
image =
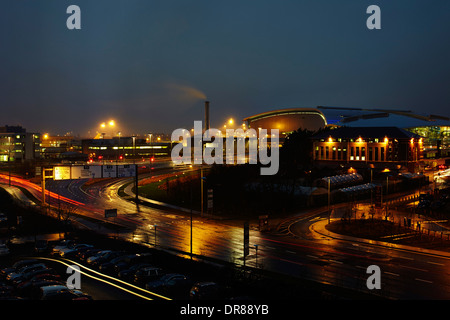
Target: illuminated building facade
{"points": [[16, 144], [379, 147], [121, 148], [288, 120], [436, 140]]}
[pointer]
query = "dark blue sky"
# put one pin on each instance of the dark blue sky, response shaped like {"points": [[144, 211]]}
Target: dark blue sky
{"points": [[149, 64]]}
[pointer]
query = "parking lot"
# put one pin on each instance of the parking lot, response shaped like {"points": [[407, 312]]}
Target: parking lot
{"points": [[106, 272]]}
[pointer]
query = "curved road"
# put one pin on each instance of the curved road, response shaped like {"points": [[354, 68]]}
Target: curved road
{"points": [[308, 255]]}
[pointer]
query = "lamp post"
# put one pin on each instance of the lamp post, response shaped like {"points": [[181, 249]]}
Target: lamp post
{"points": [[329, 213], [9, 159]]}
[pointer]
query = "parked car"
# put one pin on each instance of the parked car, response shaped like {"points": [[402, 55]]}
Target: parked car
{"points": [[172, 283], [41, 246], [83, 255], [98, 255], [148, 274], [3, 218], [205, 291], [108, 266], [4, 250], [19, 272], [72, 250], [62, 245], [32, 273], [106, 257], [61, 292], [132, 260], [16, 266], [30, 289], [129, 273]]}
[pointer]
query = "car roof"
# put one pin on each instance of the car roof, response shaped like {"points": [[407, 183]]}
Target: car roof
{"points": [[52, 288]]}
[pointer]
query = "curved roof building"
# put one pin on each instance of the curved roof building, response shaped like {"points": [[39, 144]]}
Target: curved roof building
{"points": [[288, 120]]}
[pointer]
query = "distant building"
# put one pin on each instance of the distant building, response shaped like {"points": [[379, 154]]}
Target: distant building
{"points": [[361, 147], [16, 144], [61, 147], [436, 140], [120, 148], [288, 120]]}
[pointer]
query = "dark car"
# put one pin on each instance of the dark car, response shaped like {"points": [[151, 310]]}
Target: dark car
{"points": [[41, 246], [30, 289], [129, 273], [205, 291], [32, 273], [16, 266], [61, 292], [23, 270], [108, 266], [83, 255], [132, 260], [106, 258], [172, 284], [147, 274]]}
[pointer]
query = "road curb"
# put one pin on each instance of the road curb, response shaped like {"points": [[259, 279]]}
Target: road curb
{"points": [[319, 227]]}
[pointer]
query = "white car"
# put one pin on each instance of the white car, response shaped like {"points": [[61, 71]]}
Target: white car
{"points": [[4, 250]]}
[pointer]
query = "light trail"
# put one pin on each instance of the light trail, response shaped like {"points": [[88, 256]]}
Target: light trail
{"points": [[53, 195], [109, 277]]}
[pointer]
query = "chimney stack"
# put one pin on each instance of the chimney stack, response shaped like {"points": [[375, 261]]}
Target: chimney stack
{"points": [[206, 115]]}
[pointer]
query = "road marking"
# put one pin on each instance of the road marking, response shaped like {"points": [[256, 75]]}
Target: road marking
{"points": [[422, 280], [314, 257], [414, 268], [336, 261], [406, 258], [436, 263], [392, 274], [292, 252]]}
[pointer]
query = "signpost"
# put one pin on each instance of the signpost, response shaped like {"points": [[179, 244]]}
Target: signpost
{"points": [[61, 173]]}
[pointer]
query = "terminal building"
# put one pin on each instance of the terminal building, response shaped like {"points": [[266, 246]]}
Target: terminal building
{"points": [[288, 120]]}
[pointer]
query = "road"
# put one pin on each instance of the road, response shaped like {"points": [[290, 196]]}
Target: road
{"points": [[312, 256]]}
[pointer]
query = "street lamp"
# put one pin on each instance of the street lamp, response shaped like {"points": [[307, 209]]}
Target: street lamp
{"points": [[329, 213]]}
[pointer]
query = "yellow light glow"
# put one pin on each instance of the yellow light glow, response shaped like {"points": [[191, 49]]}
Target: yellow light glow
{"points": [[112, 123], [45, 136], [231, 121], [360, 139], [330, 139], [103, 125], [386, 140], [412, 140]]}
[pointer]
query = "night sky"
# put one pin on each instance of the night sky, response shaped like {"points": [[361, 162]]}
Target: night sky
{"points": [[150, 64]]}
